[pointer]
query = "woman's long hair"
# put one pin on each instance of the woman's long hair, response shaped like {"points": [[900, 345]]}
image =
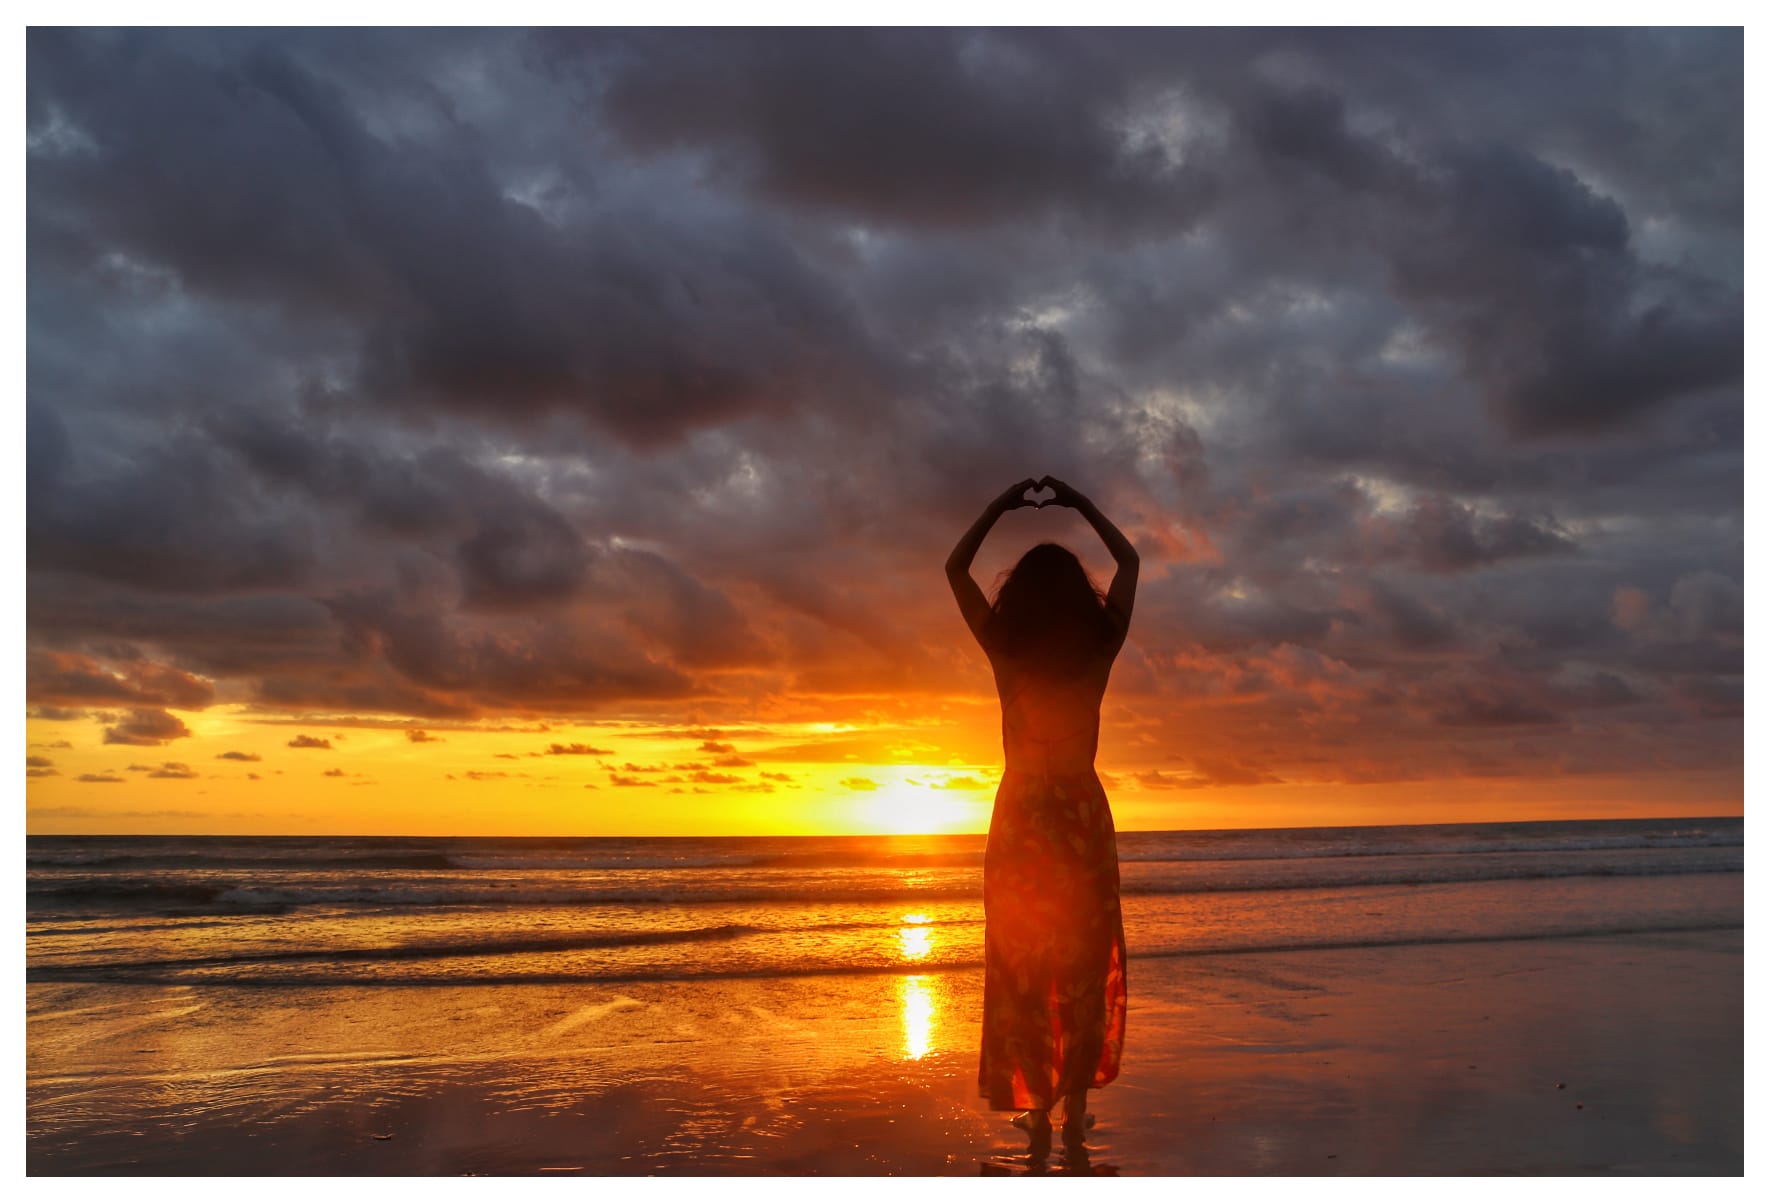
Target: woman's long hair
{"points": [[1048, 615]]}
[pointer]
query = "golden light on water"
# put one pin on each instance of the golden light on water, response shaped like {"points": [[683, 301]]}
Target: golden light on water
{"points": [[918, 1017], [915, 943]]}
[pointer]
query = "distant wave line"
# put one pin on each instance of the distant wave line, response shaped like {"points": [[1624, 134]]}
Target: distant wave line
{"points": [[606, 861], [269, 899], [109, 974]]}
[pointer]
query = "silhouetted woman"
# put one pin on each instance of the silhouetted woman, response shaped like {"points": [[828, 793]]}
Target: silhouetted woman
{"points": [[1054, 944]]}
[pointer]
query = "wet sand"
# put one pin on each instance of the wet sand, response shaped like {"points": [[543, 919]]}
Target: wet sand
{"points": [[1613, 1055]]}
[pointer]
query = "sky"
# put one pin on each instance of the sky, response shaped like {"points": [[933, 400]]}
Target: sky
{"points": [[562, 432]]}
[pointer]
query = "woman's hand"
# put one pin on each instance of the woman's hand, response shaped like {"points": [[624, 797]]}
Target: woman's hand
{"points": [[1015, 496], [972, 604], [1065, 496], [1123, 589]]}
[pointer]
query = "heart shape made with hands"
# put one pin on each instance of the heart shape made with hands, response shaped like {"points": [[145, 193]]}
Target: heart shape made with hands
{"points": [[1038, 503]]}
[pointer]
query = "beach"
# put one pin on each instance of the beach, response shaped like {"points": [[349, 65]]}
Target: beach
{"points": [[1617, 1050], [1614, 1055]]}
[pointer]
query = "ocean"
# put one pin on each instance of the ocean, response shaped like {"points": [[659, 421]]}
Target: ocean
{"points": [[350, 911]]}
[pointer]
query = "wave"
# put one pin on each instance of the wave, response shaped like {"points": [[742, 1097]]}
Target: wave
{"points": [[170, 972], [243, 860], [762, 854], [94, 893], [510, 946], [1453, 846]]}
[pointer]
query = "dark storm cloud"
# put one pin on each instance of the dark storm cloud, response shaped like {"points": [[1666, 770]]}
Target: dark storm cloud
{"points": [[924, 127], [698, 625], [1531, 280], [173, 518], [1441, 535], [653, 319], [446, 374], [566, 661]]}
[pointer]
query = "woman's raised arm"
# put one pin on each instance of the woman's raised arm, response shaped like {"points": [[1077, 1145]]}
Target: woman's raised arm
{"points": [[1123, 591], [972, 604]]}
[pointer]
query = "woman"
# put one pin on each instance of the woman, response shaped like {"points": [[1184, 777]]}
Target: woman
{"points": [[1054, 944]]}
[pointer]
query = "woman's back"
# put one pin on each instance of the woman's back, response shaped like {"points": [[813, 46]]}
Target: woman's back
{"points": [[1050, 724]]}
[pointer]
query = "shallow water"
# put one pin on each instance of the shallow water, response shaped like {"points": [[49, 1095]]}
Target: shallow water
{"points": [[303, 911]]}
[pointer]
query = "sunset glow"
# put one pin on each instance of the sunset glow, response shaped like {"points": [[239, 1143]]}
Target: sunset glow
{"points": [[238, 771], [608, 494]]}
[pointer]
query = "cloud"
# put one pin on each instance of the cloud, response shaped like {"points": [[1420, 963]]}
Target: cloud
{"points": [[418, 736], [865, 784], [1011, 127], [310, 741], [1414, 374], [93, 812], [99, 778], [174, 770], [247, 756], [68, 677], [577, 749], [147, 729]]}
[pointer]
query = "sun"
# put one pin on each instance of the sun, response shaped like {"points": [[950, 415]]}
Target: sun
{"points": [[909, 808]]}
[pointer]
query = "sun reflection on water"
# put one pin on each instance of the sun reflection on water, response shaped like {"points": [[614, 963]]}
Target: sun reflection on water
{"points": [[915, 942], [918, 1017]]}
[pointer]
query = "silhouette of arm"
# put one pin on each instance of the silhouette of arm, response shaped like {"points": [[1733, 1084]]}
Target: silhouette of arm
{"points": [[1123, 590], [972, 604]]}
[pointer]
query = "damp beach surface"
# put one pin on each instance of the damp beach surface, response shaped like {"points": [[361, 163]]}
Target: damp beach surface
{"points": [[1602, 1055]]}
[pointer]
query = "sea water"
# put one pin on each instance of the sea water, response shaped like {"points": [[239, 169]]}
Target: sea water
{"points": [[301, 911]]}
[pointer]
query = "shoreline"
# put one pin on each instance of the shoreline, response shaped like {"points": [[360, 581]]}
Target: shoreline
{"points": [[1590, 1055]]}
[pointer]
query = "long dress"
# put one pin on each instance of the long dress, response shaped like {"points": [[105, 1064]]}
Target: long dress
{"points": [[1054, 940]]}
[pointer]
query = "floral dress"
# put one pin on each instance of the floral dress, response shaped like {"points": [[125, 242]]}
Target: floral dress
{"points": [[1054, 941]]}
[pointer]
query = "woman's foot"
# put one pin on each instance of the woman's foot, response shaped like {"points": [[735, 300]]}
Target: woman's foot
{"points": [[1037, 1126], [1076, 1120]]}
